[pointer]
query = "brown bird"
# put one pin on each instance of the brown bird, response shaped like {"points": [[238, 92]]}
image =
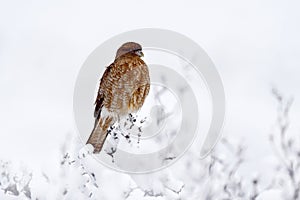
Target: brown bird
{"points": [[123, 88]]}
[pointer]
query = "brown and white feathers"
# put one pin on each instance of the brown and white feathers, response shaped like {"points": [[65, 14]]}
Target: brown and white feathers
{"points": [[123, 88]]}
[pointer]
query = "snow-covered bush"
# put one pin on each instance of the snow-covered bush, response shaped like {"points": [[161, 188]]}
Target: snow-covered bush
{"points": [[213, 178]]}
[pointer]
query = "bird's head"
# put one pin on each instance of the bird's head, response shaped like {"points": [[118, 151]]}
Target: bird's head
{"points": [[130, 47]]}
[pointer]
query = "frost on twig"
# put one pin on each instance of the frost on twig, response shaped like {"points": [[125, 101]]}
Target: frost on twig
{"points": [[79, 176], [224, 180], [123, 130], [286, 148], [13, 182]]}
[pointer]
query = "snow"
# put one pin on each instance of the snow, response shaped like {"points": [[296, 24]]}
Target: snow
{"points": [[271, 195]]}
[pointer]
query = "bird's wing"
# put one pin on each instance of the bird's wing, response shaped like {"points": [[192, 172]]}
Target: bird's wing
{"points": [[101, 92], [99, 133]]}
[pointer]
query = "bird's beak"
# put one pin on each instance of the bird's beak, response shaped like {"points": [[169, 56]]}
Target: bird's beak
{"points": [[139, 53]]}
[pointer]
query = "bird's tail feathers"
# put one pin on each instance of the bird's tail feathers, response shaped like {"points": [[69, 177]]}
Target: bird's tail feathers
{"points": [[99, 133]]}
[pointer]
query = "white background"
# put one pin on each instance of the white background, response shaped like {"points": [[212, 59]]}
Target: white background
{"points": [[254, 44]]}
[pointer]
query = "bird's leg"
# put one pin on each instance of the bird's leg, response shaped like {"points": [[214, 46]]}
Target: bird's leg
{"points": [[122, 126]]}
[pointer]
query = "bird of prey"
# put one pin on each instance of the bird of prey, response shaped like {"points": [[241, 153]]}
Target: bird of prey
{"points": [[123, 88]]}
